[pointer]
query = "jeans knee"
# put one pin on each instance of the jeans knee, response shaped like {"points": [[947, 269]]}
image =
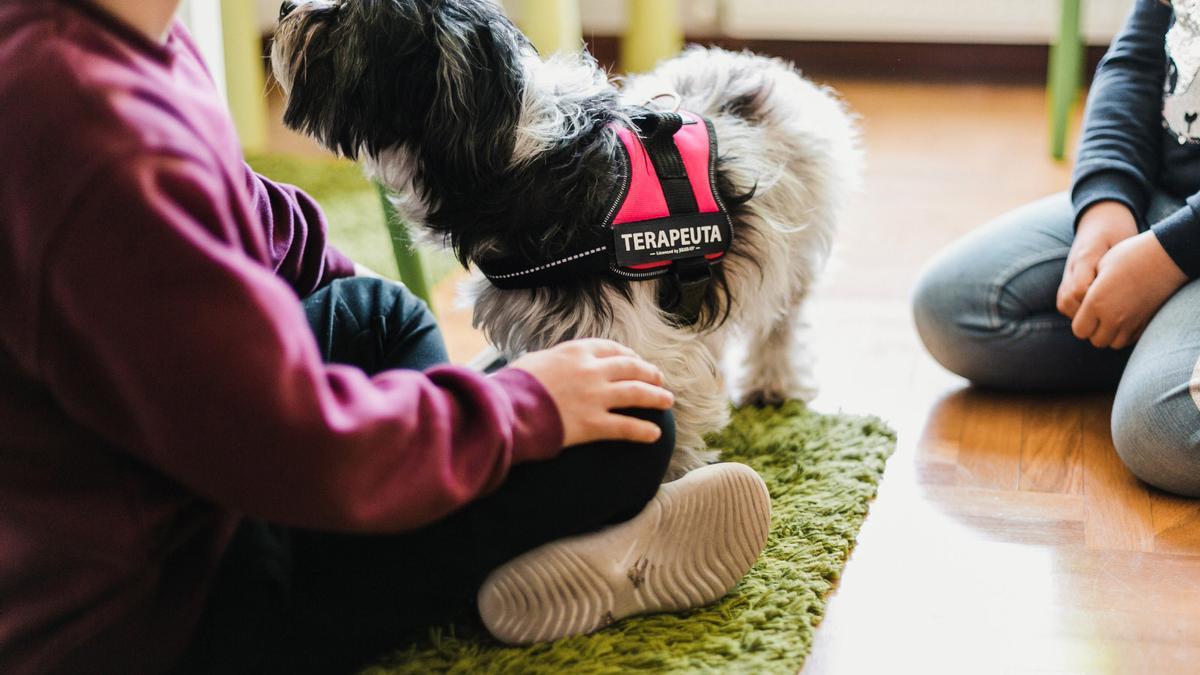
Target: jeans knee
{"points": [[938, 307], [1155, 435], [381, 297], [375, 324], [930, 306]]}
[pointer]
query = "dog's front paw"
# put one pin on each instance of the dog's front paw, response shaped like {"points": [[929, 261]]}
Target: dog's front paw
{"points": [[776, 394], [761, 398]]}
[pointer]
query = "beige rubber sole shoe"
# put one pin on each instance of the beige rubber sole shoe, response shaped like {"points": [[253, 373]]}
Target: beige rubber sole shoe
{"points": [[689, 547]]}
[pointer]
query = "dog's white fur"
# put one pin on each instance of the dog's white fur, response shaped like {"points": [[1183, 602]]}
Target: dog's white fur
{"points": [[800, 151]]}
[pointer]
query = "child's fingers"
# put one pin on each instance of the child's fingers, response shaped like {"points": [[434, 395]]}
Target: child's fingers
{"points": [[622, 427], [1068, 300], [1125, 337], [1085, 322], [634, 394], [619, 368], [1078, 277], [602, 348], [1104, 335]]}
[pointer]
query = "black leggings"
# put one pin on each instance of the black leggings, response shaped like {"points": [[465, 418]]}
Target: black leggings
{"points": [[303, 601]]}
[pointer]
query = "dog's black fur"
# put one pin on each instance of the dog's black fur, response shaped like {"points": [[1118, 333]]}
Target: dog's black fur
{"points": [[444, 80]]}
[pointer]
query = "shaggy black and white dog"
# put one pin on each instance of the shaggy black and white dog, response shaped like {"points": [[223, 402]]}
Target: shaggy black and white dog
{"points": [[497, 152]]}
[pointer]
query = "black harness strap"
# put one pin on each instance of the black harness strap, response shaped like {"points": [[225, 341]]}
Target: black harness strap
{"points": [[684, 295], [689, 278], [658, 131]]}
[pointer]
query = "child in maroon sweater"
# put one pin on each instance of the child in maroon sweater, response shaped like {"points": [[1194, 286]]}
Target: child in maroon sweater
{"points": [[184, 469]]}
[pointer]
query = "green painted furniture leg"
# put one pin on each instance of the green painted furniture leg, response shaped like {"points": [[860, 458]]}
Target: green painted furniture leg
{"points": [[1066, 74], [552, 25], [655, 32], [408, 258], [245, 72]]}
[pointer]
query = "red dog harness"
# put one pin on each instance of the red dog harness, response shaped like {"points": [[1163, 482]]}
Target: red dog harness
{"points": [[666, 218]]}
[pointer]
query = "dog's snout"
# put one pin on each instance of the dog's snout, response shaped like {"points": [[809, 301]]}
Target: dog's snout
{"points": [[286, 8]]}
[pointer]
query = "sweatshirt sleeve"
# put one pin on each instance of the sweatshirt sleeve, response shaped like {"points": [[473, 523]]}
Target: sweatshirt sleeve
{"points": [[1179, 234], [1119, 151], [297, 235], [157, 332]]}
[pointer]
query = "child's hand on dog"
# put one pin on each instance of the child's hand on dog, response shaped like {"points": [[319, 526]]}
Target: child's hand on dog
{"points": [[590, 378]]}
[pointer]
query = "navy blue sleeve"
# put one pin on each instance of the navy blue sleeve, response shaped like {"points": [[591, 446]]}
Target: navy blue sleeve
{"points": [[1179, 234], [1119, 153]]}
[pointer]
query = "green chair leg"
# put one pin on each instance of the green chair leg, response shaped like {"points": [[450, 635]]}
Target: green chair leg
{"points": [[552, 25], [655, 32], [1066, 74], [245, 73], [408, 258]]}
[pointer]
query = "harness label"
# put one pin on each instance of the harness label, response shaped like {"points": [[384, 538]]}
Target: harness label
{"points": [[670, 238]]}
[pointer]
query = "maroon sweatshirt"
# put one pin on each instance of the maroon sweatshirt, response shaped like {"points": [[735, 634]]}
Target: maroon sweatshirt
{"points": [[158, 379]]}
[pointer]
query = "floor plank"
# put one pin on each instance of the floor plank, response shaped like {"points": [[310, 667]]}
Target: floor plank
{"points": [[940, 439], [989, 449], [1118, 505], [1007, 504], [1051, 435], [1176, 523]]}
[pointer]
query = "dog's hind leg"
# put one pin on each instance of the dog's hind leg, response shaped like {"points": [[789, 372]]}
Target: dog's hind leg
{"points": [[778, 364]]}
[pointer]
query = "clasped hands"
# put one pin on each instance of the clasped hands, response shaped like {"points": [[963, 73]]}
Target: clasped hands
{"points": [[1115, 279]]}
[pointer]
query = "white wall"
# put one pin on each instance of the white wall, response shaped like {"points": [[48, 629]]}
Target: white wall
{"points": [[967, 21], [983, 21], [203, 19]]}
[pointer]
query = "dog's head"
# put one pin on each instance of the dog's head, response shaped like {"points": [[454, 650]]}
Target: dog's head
{"points": [[365, 76], [447, 100]]}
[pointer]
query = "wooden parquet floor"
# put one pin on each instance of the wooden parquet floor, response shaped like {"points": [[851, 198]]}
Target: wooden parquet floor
{"points": [[1007, 536]]}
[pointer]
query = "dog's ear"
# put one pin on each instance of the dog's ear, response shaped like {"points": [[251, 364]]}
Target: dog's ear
{"points": [[305, 59], [441, 78], [471, 122], [354, 73]]}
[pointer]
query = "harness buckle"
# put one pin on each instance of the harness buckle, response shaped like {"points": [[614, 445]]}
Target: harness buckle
{"points": [[684, 292], [658, 127]]}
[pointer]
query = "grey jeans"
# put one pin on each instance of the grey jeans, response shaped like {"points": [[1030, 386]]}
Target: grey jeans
{"points": [[985, 309]]}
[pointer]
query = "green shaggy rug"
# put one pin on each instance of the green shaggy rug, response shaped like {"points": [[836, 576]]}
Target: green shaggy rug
{"points": [[822, 470]]}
